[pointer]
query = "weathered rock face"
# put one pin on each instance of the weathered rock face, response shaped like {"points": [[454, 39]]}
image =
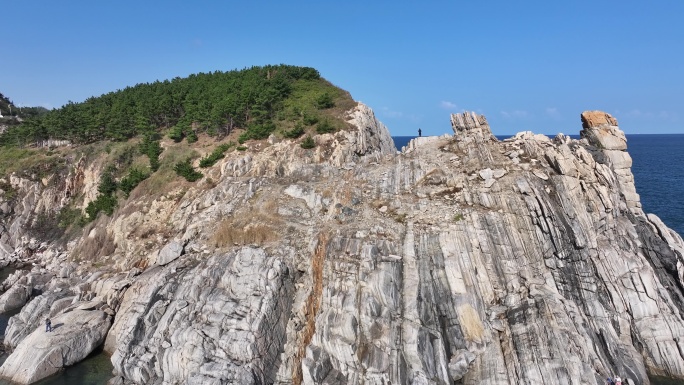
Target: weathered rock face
{"points": [[461, 260], [232, 308], [26, 201], [602, 132]]}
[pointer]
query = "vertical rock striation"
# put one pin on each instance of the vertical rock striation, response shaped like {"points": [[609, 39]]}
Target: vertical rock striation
{"points": [[461, 260]]}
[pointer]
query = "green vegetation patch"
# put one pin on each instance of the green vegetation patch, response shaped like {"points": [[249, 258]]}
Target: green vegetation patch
{"points": [[308, 143], [295, 132], [131, 181], [187, 171], [325, 127], [254, 99], [215, 155], [12, 159], [152, 149]]}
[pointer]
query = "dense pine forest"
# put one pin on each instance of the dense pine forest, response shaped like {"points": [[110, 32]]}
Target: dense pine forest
{"points": [[258, 101], [125, 128]]}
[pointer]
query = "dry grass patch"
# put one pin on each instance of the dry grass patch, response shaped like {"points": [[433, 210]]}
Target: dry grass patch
{"points": [[165, 179], [94, 247], [229, 233], [34, 164], [256, 226]]}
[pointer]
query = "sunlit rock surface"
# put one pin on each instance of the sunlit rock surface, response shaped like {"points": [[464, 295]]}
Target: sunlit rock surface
{"points": [[463, 259]]}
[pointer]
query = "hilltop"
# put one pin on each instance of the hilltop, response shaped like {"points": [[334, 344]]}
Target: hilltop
{"points": [[200, 116], [257, 101]]}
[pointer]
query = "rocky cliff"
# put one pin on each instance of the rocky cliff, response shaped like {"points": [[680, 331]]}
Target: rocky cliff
{"points": [[462, 259]]}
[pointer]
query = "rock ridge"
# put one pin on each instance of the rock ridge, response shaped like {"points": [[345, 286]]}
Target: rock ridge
{"points": [[462, 259]]}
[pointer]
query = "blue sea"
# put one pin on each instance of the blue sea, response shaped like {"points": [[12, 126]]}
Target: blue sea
{"points": [[658, 168]]}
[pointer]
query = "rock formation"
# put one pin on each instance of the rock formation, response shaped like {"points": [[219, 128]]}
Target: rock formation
{"points": [[462, 259], [77, 332]]}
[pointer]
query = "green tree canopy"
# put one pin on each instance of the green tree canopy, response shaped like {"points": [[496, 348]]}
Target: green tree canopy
{"points": [[215, 102]]}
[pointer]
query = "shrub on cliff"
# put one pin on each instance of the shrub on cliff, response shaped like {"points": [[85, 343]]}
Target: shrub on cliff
{"points": [[310, 119], [130, 181], [192, 136], [325, 127], [176, 134], [107, 184], [308, 143], [103, 203], [106, 199], [150, 147], [325, 101], [215, 155], [295, 132], [186, 170], [257, 131]]}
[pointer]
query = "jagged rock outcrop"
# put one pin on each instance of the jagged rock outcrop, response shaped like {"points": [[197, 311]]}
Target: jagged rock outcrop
{"points": [[601, 131], [29, 201], [463, 259]]}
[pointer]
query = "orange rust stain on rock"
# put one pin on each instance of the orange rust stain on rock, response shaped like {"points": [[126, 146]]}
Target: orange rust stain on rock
{"points": [[597, 118], [313, 304]]}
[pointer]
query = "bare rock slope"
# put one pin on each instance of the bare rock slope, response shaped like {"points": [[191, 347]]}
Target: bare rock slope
{"points": [[463, 259]]}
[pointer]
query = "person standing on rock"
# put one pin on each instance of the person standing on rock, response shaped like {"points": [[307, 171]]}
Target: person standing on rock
{"points": [[420, 132], [609, 381], [48, 325], [618, 380]]}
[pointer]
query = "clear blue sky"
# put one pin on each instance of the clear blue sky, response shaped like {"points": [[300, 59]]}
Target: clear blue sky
{"points": [[526, 65]]}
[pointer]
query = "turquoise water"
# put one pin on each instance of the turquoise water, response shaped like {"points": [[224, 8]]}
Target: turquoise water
{"points": [[664, 381], [94, 370]]}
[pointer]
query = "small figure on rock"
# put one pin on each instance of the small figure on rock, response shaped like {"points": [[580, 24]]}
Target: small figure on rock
{"points": [[420, 132], [618, 380], [48, 325], [609, 381]]}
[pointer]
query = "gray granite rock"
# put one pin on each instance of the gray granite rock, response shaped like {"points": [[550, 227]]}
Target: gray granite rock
{"points": [[353, 264], [15, 297], [75, 335], [169, 253], [221, 319]]}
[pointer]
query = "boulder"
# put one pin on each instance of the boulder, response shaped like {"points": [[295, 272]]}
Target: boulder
{"points": [[75, 335], [15, 297], [33, 315], [601, 130], [170, 252], [597, 118]]}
